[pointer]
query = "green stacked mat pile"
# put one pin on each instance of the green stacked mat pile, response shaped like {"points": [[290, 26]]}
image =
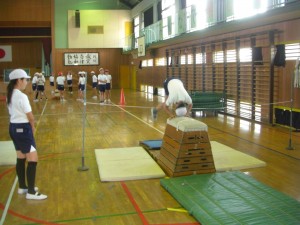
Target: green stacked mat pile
{"points": [[232, 198]]}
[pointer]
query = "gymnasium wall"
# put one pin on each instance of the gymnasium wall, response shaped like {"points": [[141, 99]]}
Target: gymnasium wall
{"points": [[26, 49], [285, 33], [109, 58], [98, 28], [61, 15]]}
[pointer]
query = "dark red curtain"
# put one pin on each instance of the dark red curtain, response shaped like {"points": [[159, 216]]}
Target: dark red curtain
{"points": [[47, 49]]}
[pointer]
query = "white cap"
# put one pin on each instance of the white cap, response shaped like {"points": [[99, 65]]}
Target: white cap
{"points": [[18, 74], [181, 111]]}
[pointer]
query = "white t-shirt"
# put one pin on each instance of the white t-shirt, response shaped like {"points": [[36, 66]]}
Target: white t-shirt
{"points": [[51, 78], [95, 79], [102, 79], [18, 107], [69, 77], [108, 78], [40, 81], [34, 79], [177, 93], [60, 80], [82, 80]]}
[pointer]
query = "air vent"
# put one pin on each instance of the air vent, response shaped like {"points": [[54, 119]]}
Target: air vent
{"points": [[95, 29]]}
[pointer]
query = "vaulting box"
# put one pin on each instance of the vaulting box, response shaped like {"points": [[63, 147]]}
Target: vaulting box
{"points": [[186, 148]]}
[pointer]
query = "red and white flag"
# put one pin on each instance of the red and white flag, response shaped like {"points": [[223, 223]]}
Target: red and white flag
{"points": [[5, 53]]}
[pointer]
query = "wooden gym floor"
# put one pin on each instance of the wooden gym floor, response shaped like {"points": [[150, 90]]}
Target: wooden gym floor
{"points": [[76, 197]]}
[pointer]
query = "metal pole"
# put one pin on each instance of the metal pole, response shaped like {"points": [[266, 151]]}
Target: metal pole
{"points": [[290, 147], [83, 167]]}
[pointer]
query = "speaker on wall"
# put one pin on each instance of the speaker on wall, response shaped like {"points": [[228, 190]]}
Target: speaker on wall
{"points": [[77, 19]]}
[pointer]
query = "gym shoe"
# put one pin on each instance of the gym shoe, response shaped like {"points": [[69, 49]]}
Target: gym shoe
{"points": [[22, 191], [35, 100], [36, 196], [154, 113]]}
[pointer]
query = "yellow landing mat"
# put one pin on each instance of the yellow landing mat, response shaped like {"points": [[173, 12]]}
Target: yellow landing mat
{"points": [[8, 155], [130, 163], [227, 158]]}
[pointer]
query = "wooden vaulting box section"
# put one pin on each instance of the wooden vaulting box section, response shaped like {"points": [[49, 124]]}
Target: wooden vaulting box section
{"points": [[186, 148]]}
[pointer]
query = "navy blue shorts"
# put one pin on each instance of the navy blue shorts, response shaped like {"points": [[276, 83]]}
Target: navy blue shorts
{"points": [[102, 87], [107, 86], [60, 87], [69, 82], [94, 84], [51, 83], [22, 136], [81, 87], [33, 87], [41, 88]]}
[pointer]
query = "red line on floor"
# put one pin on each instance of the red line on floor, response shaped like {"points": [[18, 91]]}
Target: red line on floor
{"points": [[6, 172], [137, 208], [17, 214]]}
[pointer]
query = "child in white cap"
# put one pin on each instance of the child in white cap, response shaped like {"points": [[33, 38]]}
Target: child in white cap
{"points": [[21, 131]]}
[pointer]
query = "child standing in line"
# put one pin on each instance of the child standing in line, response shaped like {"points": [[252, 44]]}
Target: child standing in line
{"points": [[34, 86], [102, 84], [94, 84], [81, 85], [51, 80], [70, 82], [41, 86], [60, 80], [108, 86]]}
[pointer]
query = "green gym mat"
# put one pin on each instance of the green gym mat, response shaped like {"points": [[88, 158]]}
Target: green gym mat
{"points": [[232, 198]]}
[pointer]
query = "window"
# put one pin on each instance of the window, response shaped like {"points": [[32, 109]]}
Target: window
{"points": [[182, 60], [218, 57], [147, 63], [144, 63], [168, 13], [231, 56], [150, 62], [196, 14], [136, 22], [160, 62], [247, 8], [148, 17], [292, 51], [245, 55], [199, 58]]}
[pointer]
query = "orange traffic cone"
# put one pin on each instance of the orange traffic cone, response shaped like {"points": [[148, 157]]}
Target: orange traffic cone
{"points": [[122, 98]]}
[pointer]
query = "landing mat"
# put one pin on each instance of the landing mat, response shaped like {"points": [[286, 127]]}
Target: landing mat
{"points": [[232, 198], [130, 163], [8, 155]]}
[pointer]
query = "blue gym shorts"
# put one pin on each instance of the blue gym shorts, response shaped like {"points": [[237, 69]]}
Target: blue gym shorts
{"points": [[107, 86], [22, 136], [102, 87], [61, 87]]}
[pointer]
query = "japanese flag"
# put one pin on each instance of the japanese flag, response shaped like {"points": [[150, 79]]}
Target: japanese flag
{"points": [[5, 53]]}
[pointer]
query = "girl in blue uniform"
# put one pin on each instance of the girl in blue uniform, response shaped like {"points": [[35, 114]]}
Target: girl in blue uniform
{"points": [[21, 130]]}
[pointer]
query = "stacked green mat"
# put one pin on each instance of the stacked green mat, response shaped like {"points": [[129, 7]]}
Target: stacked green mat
{"points": [[232, 198]]}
